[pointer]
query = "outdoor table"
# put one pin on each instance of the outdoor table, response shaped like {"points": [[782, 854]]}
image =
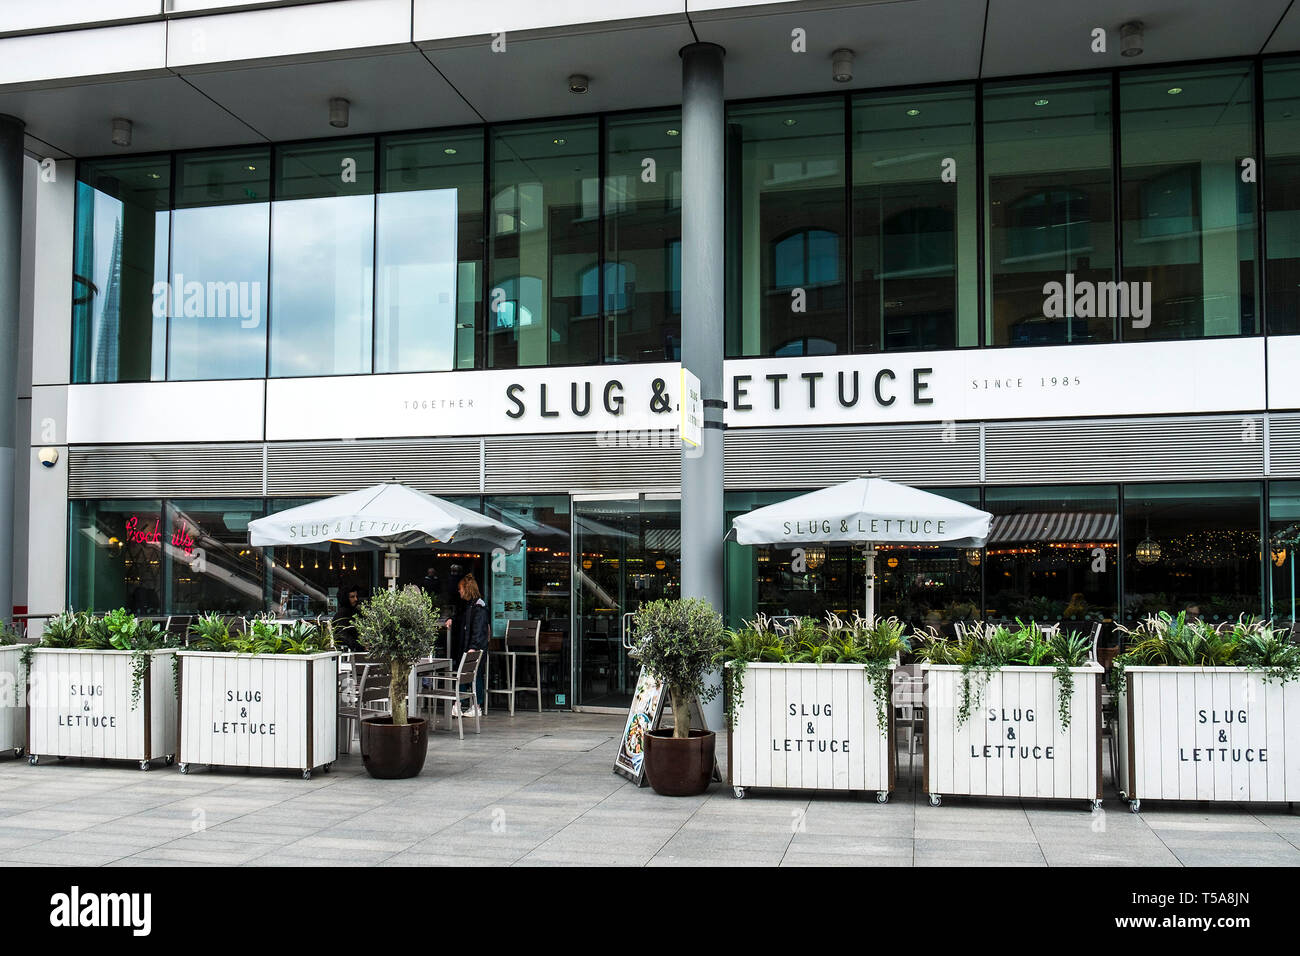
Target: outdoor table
{"points": [[425, 668]]}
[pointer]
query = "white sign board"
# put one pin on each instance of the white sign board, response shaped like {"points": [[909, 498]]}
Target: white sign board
{"points": [[692, 406]]}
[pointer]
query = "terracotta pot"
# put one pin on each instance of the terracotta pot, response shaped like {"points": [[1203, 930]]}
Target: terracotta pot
{"points": [[679, 767], [392, 753]]}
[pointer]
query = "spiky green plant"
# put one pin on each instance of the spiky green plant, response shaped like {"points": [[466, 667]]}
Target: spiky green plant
{"points": [[1162, 640]]}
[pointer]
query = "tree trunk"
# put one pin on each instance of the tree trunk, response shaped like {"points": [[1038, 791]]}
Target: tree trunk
{"points": [[397, 687], [681, 714]]}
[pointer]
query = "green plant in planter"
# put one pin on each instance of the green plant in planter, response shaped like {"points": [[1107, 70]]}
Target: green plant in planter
{"points": [[211, 632], [9, 635], [400, 627], [65, 630], [678, 641]]}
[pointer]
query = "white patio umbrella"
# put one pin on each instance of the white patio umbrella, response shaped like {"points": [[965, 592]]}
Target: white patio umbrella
{"points": [[387, 514], [865, 512]]}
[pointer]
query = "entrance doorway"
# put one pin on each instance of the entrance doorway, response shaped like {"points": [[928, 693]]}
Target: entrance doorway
{"points": [[626, 550]]}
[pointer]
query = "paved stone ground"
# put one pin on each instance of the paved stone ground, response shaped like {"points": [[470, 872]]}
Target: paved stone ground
{"points": [[538, 790]]}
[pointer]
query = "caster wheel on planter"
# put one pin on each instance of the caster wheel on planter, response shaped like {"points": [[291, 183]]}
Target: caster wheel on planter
{"points": [[169, 759], [19, 753], [1095, 804], [33, 760], [1135, 805], [882, 796], [738, 792], [306, 775], [328, 767], [145, 765], [935, 799], [183, 768]]}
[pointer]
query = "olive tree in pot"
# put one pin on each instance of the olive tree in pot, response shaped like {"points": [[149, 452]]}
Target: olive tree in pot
{"points": [[397, 628], [676, 642]]}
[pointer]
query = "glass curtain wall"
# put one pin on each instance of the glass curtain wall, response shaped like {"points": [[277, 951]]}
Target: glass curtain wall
{"points": [[115, 551], [1281, 111], [1053, 554], [544, 232], [119, 304], [1283, 540], [219, 246], [914, 237], [429, 251], [788, 230], [322, 258], [209, 563], [1195, 548], [1049, 216], [1188, 216], [642, 305]]}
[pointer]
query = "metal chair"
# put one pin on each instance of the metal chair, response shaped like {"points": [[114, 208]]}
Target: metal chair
{"points": [[908, 698], [448, 689], [522, 640], [372, 699]]}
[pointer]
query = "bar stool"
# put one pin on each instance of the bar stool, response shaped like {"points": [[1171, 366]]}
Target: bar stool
{"points": [[521, 641]]}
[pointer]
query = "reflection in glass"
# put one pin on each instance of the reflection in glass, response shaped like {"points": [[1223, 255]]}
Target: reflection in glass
{"points": [[914, 253], [322, 255], [545, 220], [429, 251], [786, 225], [1189, 220], [1193, 548], [220, 242], [1052, 554], [1283, 540], [643, 230], [1047, 168], [115, 550], [1282, 197], [210, 565], [120, 259]]}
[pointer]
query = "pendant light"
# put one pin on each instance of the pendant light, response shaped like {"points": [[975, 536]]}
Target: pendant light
{"points": [[1148, 549]]}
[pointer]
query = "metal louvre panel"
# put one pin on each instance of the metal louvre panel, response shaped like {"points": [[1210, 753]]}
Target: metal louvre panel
{"points": [[1132, 449], [179, 471], [562, 463], [1284, 446], [310, 469], [933, 454]]}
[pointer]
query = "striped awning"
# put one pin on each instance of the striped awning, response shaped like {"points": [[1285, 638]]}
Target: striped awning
{"points": [[1055, 526]]}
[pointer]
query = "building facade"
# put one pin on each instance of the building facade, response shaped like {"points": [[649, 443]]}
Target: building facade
{"points": [[991, 255]]}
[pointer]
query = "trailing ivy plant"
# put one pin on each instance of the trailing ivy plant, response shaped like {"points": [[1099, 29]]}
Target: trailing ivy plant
{"points": [[874, 645], [987, 647]]}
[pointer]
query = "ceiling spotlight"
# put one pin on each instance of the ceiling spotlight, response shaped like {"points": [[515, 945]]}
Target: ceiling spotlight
{"points": [[1130, 38], [578, 83], [789, 122], [1174, 90], [842, 66], [450, 151], [1040, 102], [674, 132], [339, 108], [121, 132], [913, 112]]}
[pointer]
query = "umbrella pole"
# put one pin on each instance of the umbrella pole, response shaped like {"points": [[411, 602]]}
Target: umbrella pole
{"points": [[391, 567], [869, 553]]}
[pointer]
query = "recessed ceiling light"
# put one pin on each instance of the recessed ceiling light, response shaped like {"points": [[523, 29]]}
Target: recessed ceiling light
{"points": [[559, 142], [1040, 102], [1175, 90], [155, 176], [913, 112], [450, 150], [251, 169], [789, 122], [674, 132]]}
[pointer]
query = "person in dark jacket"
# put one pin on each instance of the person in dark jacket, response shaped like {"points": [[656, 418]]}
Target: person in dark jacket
{"points": [[345, 633], [475, 633], [453, 606]]}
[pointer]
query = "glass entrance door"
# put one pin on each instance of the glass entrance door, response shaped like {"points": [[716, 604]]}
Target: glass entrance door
{"points": [[625, 551]]}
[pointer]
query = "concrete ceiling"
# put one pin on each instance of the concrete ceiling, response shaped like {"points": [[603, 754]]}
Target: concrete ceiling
{"points": [[634, 65]]}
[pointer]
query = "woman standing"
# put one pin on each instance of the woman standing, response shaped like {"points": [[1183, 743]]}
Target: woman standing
{"points": [[476, 633]]}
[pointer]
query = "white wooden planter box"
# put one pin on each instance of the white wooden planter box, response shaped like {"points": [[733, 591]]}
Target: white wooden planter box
{"points": [[79, 705], [277, 711], [810, 727], [13, 696], [1208, 733], [1013, 744]]}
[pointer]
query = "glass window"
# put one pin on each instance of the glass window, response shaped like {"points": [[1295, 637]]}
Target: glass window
{"points": [[322, 258], [429, 251], [545, 227], [1282, 197], [1283, 540], [120, 271], [1050, 230], [1189, 220], [786, 229], [1193, 548], [210, 565], [915, 278], [114, 554], [220, 243], [643, 228], [1052, 554]]}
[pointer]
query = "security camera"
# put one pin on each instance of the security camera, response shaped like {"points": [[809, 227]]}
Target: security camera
{"points": [[49, 457], [578, 83]]}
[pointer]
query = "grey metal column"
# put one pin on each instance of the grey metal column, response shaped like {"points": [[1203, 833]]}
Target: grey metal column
{"points": [[11, 237], [703, 152]]}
